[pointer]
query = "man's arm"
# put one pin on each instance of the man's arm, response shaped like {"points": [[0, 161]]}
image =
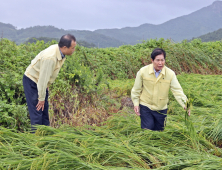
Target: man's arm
{"points": [[136, 92], [46, 70], [178, 92]]}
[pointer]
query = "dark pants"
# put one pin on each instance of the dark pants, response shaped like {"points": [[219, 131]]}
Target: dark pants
{"points": [[31, 93], [153, 120]]}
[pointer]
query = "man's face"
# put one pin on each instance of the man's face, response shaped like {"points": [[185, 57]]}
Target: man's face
{"points": [[70, 50], [158, 62]]}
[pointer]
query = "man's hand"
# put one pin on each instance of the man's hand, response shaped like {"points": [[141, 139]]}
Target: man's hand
{"points": [[188, 111], [137, 110], [40, 105]]}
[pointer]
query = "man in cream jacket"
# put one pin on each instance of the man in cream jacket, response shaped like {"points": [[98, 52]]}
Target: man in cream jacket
{"points": [[150, 92], [41, 73]]}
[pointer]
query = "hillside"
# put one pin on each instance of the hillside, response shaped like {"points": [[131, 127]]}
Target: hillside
{"points": [[212, 36], [21, 35], [7, 31], [205, 20]]}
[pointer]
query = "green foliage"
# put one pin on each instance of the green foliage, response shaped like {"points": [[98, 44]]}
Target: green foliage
{"points": [[14, 60], [125, 61], [192, 142], [84, 77], [89, 69], [14, 116]]}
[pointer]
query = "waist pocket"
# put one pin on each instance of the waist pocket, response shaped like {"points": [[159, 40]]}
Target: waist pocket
{"points": [[162, 102]]}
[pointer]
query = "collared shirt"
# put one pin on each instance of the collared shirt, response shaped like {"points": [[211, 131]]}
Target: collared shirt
{"points": [[153, 92], [50, 61], [156, 72], [63, 56]]}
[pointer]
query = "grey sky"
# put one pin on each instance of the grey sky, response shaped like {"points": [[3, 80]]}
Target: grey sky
{"points": [[95, 14]]}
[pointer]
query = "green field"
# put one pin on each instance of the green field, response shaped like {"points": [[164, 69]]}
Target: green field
{"points": [[89, 131]]}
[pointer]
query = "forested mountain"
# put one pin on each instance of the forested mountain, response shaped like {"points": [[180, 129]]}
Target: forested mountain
{"points": [[212, 36], [203, 21], [22, 35], [7, 31]]}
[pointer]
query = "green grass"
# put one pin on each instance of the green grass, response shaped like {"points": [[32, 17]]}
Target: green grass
{"points": [[121, 144]]}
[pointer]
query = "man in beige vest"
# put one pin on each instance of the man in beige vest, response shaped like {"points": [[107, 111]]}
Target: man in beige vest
{"points": [[150, 92], [41, 73]]}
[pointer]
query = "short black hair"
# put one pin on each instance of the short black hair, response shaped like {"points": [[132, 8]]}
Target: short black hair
{"points": [[156, 52], [66, 40]]}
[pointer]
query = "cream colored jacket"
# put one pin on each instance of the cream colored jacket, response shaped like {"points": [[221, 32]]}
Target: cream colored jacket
{"points": [[153, 92], [44, 69]]}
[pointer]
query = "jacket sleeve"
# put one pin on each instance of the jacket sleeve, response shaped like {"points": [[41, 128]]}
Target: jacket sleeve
{"points": [[178, 91], [137, 89], [46, 70]]}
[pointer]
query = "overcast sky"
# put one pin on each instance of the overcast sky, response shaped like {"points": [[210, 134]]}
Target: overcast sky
{"points": [[94, 14]]}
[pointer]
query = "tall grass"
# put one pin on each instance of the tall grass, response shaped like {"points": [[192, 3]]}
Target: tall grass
{"points": [[120, 143]]}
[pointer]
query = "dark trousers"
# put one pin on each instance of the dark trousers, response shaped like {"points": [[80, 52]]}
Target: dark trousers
{"points": [[31, 93], [153, 120]]}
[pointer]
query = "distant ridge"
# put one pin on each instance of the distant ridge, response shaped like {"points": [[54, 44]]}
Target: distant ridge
{"points": [[200, 22], [21, 35]]}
